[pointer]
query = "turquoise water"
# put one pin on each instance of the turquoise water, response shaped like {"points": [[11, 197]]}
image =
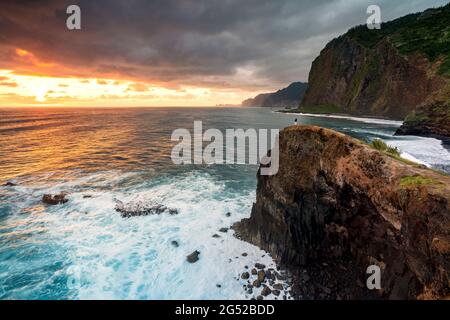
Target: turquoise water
{"points": [[86, 250]]}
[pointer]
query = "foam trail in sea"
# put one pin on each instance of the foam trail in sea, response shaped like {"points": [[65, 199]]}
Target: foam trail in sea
{"points": [[110, 257]]}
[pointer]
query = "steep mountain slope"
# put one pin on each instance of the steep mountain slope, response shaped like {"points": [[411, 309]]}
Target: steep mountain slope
{"points": [[287, 97], [386, 72]]}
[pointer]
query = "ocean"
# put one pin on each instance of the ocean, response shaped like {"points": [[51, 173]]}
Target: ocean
{"points": [[84, 249]]}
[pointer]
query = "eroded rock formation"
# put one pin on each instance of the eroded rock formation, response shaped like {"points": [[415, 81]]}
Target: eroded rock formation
{"points": [[337, 206]]}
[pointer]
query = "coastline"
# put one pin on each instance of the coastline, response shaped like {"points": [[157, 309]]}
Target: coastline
{"points": [[366, 119]]}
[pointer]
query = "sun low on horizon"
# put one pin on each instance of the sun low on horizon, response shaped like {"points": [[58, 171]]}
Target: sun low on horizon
{"points": [[37, 88]]}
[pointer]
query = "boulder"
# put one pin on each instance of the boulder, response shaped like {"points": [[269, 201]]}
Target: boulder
{"points": [[55, 199], [193, 257], [142, 208]]}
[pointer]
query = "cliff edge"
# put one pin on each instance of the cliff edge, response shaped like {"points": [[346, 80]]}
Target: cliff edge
{"points": [[337, 206]]}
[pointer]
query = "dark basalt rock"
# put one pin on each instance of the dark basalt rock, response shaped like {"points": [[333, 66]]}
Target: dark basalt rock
{"points": [[336, 204], [223, 230], [55, 199], [245, 275], [429, 119], [259, 266], [266, 291], [140, 208], [10, 184], [175, 243], [261, 276], [193, 257]]}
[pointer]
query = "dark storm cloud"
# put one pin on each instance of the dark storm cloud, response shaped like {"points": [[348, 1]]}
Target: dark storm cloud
{"points": [[223, 43]]}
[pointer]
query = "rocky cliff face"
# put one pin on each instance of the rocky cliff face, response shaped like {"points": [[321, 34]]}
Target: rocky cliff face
{"points": [[284, 98], [430, 118], [383, 73], [337, 206], [361, 81]]}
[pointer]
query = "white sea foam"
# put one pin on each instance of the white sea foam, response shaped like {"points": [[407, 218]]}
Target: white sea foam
{"points": [[110, 257], [360, 119], [427, 151]]}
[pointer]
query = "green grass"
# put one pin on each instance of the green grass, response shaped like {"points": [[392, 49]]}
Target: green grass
{"points": [[391, 151], [427, 33], [417, 180], [413, 118], [380, 145]]}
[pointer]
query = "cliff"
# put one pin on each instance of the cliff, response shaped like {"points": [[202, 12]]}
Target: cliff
{"points": [[384, 73], [285, 98], [431, 118], [337, 206]]}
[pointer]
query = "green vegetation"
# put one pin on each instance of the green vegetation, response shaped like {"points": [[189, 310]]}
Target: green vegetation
{"points": [[417, 180], [412, 118], [427, 33], [380, 145]]}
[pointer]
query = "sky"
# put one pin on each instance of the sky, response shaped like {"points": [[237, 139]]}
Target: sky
{"points": [[167, 52]]}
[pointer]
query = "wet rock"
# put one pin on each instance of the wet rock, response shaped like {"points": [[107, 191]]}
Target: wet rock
{"points": [[266, 291], [244, 254], [215, 235], [254, 271], [276, 292], [142, 208], [256, 283], [55, 199], [10, 184], [224, 230], [280, 277], [278, 286], [261, 276], [228, 214], [259, 298], [175, 243], [193, 257], [245, 275], [87, 196], [246, 267], [218, 285], [259, 266], [250, 291]]}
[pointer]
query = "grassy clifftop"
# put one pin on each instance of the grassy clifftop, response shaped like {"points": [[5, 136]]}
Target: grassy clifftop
{"points": [[384, 73], [427, 33]]}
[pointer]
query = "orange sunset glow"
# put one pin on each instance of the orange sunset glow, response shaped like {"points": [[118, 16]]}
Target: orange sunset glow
{"points": [[38, 88]]}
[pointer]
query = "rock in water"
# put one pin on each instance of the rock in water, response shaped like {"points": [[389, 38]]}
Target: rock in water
{"points": [[245, 276], [261, 276], [55, 199], [278, 286], [336, 201], [224, 230], [259, 266], [142, 208], [175, 243], [193, 257], [10, 184], [266, 291]]}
